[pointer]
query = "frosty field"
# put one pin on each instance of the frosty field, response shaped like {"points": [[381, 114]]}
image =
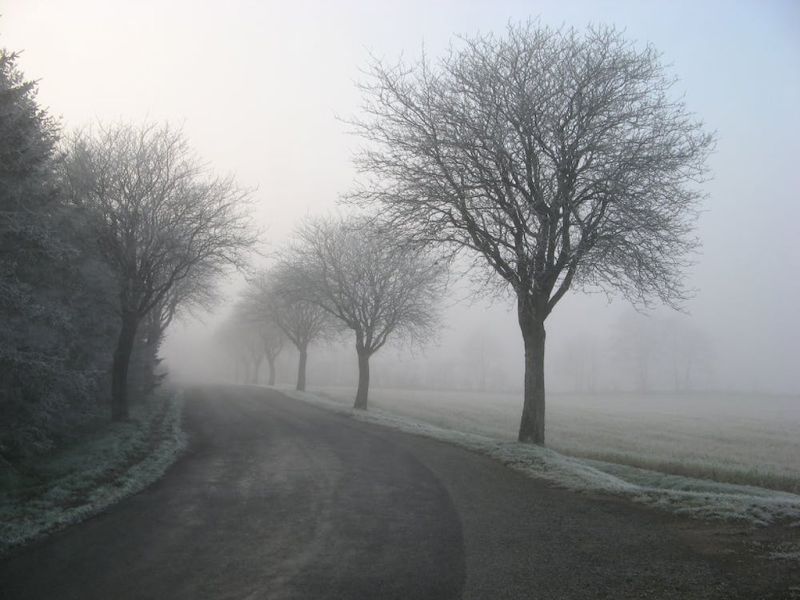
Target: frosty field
{"points": [[732, 438]]}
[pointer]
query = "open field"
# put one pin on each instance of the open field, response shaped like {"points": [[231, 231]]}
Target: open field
{"points": [[733, 438]]}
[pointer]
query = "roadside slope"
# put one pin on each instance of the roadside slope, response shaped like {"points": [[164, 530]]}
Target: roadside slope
{"points": [[91, 475]]}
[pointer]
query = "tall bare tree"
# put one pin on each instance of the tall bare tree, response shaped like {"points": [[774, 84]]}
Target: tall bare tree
{"points": [[243, 343], [259, 313], [372, 281], [637, 345], [558, 158], [159, 215], [690, 354], [303, 322], [272, 342], [196, 292]]}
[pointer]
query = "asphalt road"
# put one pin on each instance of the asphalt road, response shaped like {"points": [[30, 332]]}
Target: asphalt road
{"points": [[278, 499]]}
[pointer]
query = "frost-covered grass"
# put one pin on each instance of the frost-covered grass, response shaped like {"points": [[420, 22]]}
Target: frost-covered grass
{"points": [[700, 498], [85, 478], [730, 438]]}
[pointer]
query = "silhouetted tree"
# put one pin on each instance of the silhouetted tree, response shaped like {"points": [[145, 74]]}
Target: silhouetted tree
{"points": [[158, 216], [196, 292], [636, 343], [272, 341], [256, 306], [372, 281], [558, 158], [690, 354], [300, 320], [242, 339]]}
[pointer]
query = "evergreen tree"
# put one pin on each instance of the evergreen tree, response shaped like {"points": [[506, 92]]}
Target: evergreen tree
{"points": [[53, 312]]}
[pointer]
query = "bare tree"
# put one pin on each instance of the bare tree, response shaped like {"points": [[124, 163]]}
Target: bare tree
{"points": [[689, 353], [558, 158], [260, 314], [159, 216], [300, 320], [637, 344], [369, 279], [196, 292], [272, 341], [243, 340], [662, 353]]}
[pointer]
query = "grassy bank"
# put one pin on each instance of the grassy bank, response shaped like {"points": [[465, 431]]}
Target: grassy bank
{"points": [[696, 497], [78, 481], [731, 438]]}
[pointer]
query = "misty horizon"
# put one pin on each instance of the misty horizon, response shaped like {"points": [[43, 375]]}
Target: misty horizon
{"points": [[737, 66], [373, 300]]}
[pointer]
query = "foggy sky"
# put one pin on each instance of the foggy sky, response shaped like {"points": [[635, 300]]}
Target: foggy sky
{"points": [[258, 85]]}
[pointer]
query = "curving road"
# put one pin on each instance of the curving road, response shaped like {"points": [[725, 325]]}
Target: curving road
{"points": [[278, 499]]}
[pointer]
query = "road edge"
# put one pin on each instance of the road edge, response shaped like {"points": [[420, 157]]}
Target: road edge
{"points": [[719, 502], [44, 519]]}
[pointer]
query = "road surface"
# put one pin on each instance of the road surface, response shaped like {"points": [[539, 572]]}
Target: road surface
{"points": [[279, 499]]}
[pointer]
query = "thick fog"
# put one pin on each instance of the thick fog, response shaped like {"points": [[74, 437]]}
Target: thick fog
{"points": [[259, 86]]}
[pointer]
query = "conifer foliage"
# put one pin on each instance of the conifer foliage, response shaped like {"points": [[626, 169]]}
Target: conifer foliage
{"points": [[55, 311]]}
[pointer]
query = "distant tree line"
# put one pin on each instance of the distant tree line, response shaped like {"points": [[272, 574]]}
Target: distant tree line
{"points": [[552, 159], [105, 236], [642, 354], [336, 276]]}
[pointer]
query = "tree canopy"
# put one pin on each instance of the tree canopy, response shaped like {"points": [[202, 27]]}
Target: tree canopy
{"points": [[556, 157], [159, 217], [370, 279]]}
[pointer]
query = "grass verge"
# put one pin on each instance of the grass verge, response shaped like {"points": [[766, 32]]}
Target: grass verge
{"points": [[731, 438], [81, 480], [693, 497]]}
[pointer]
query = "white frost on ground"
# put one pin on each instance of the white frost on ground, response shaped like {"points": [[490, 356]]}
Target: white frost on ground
{"points": [[84, 480], [683, 495], [786, 555], [742, 439]]}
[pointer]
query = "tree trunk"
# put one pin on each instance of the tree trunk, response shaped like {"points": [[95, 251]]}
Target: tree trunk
{"points": [[152, 343], [149, 363], [531, 427], [119, 369], [363, 380], [271, 363], [142, 377], [301, 370]]}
